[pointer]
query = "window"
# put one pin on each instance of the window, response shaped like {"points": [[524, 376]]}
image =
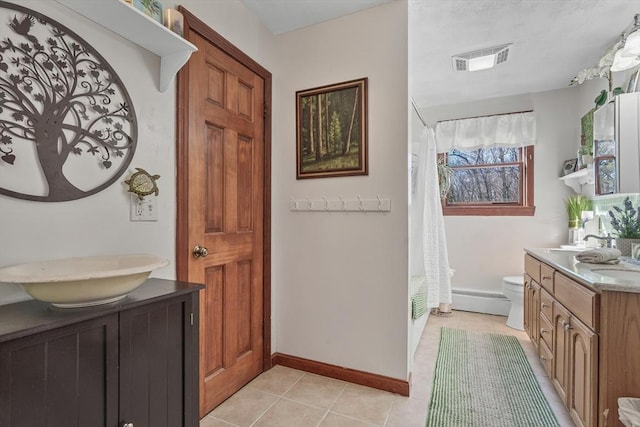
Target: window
{"points": [[495, 181]]}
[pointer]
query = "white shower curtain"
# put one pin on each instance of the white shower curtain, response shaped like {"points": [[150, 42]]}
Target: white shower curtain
{"points": [[430, 261]]}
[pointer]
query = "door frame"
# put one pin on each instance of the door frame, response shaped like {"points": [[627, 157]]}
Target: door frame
{"points": [[183, 246]]}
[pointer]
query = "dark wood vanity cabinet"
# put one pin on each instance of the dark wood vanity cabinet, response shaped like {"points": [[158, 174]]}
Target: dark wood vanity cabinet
{"points": [[64, 377], [135, 362], [158, 360]]}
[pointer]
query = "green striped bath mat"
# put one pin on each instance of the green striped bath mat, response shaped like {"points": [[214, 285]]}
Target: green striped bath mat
{"points": [[485, 380]]}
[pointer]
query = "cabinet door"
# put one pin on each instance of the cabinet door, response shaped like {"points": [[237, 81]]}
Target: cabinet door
{"points": [[532, 314], [66, 377], [527, 305], [159, 365], [560, 373], [546, 357], [583, 379], [535, 311]]}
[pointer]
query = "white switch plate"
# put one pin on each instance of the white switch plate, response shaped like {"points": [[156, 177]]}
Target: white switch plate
{"points": [[145, 209]]}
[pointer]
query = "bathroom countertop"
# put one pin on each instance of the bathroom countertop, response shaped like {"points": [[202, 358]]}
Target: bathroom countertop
{"points": [[565, 262]]}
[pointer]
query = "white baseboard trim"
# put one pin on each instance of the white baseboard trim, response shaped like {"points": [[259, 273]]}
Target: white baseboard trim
{"points": [[480, 302]]}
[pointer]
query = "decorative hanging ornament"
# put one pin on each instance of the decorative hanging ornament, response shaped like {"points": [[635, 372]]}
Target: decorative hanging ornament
{"points": [[67, 125], [143, 183]]}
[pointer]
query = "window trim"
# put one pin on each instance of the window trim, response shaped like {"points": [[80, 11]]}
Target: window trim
{"points": [[527, 208]]}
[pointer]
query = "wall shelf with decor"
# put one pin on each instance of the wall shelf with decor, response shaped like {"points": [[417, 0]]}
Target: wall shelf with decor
{"points": [[130, 23], [577, 179]]}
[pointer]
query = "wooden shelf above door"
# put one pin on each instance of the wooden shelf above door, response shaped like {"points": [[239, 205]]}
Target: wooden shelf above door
{"points": [[130, 23]]}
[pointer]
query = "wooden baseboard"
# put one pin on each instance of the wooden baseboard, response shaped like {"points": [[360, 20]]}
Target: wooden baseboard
{"points": [[368, 379]]}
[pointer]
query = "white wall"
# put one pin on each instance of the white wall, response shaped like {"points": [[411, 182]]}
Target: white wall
{"points": [[340, 279], [590, 89], [100, 224], [484, 249]]}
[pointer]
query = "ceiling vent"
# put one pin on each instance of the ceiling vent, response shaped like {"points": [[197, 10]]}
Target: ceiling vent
{"points": [[481, 59]]}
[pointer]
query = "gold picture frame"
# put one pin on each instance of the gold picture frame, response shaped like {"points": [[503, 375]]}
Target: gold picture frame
{"points": [[331, 130]]}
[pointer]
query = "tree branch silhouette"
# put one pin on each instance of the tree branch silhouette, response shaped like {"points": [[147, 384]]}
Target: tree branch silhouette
{"points": [[59, 93]]}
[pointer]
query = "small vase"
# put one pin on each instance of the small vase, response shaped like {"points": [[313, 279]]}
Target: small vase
{"points": [[624, 245], [574, 223], [576, 236]]}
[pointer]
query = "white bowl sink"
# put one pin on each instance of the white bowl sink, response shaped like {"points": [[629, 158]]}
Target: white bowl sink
{"points": [[633, 275], [82, 282]]}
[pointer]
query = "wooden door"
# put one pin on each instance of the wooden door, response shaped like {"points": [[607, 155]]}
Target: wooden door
{"points": [[223, 194], [583, 379], [560, 373]]}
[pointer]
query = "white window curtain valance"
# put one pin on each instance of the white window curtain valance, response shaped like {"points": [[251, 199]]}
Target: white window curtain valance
{"points": [[517, 129]]}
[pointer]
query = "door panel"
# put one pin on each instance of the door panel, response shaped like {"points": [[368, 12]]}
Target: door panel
{"points": [[154, 348], [583, 378], [560, 378], [226, 215], [62, 377], [527, 305], [534, 323], [213, 346], [215, 180]]}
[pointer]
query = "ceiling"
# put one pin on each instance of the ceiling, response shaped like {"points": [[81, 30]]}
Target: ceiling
{"points": [[281, 16], [552, 40]]}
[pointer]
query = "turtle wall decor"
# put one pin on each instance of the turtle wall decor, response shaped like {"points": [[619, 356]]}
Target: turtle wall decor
{"points": [[142, 183], [67, 124]]}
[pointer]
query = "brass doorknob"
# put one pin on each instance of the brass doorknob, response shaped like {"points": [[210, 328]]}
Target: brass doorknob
{"points": [[200, 251]]}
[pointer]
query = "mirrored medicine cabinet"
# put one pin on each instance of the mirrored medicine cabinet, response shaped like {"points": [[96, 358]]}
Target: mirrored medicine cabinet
{"points": [[616, 145]]}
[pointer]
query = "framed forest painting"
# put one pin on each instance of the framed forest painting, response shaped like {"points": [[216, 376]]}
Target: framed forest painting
{"points": [[331, 130]]}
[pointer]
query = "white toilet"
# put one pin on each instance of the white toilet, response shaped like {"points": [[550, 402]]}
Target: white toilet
{"points": [[513, 289]]}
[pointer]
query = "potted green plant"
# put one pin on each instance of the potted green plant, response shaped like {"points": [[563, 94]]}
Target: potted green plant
{"points": [[625, 222], [575, 205]]}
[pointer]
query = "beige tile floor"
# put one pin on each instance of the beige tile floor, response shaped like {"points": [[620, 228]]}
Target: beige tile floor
{"points": [[284, 397]]}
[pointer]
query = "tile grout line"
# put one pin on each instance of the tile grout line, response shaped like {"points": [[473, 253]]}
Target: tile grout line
{"points": [[221, 420], [398, 410], [344, 387], [265, 411], [355, 419], [280, 397], [386, 419]]}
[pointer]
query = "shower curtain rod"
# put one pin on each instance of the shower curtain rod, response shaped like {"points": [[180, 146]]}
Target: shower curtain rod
{"points": [[415, 108], [488, 115]]}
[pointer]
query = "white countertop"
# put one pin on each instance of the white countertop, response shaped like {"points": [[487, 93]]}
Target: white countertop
{"points": [[564, 261]]}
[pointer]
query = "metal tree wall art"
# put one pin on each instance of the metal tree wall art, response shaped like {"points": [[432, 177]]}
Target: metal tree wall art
{"points": [[67, 124]]}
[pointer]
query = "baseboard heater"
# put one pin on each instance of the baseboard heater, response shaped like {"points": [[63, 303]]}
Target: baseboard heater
{"points": [[480, 301]]}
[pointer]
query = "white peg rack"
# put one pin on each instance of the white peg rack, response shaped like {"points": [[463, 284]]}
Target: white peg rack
{"points": [[340, 204]]}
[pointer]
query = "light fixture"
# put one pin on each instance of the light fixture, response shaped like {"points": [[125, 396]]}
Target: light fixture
{"points": [[481, 59], [632, 43], [621, 62], [482, 62], [628, 56]]}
